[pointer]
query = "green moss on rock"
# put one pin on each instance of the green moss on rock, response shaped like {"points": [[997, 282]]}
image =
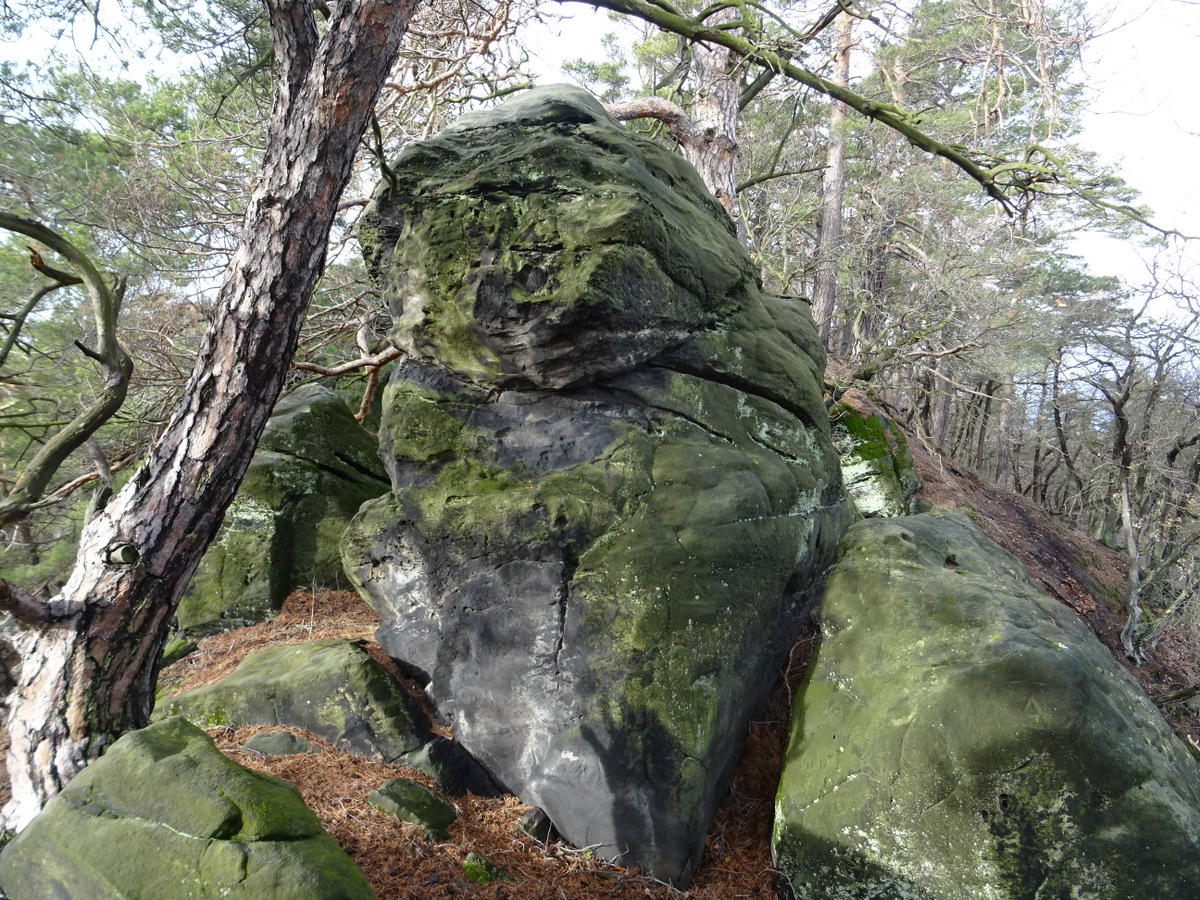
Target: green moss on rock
{"points": [[411, 802], [877, 466], [165, 814], [613, 486], [481, 870], [330, 688], [959, 734]]}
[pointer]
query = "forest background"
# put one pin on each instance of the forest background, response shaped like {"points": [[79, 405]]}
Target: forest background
{"points": [[972, 317]]}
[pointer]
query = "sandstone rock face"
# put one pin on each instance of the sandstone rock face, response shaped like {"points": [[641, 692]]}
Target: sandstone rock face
{"points": [[330, 688], [877, 467], [613, 484], [962, 735], [164, 814], [410, 801], [314, 467]]}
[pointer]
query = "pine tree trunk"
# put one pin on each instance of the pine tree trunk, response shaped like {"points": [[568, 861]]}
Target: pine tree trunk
{"points": [[708, 137], [90, 656], [715, 112], [1004, 434], [833, 188]]}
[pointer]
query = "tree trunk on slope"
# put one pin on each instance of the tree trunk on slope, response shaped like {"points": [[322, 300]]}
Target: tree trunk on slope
{"points": [[1004, 434], [90, 655], [833, 188]]}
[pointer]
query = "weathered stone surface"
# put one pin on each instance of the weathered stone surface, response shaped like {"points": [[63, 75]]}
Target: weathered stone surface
{"points": [[164, 814], [331, 688], [877, 467], [962, 735], [455, 771], [279, 743], [613, 480], [314, 467], [411, 802]]}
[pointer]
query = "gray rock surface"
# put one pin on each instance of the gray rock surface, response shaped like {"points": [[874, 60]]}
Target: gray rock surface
{"points": [[164, 814], [279, 743], [960, 735], [330, 688], [613, 484], [314, 467], [411, 802]]}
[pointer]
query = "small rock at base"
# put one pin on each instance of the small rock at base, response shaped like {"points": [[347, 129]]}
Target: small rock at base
{"points": [[279, 743], [538, 826], [411, 802], [481, 870]]}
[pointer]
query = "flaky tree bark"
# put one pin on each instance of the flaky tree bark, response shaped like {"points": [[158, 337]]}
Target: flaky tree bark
{"points": [[708, 137], [833, 189], [90, 655], [715, 110]]}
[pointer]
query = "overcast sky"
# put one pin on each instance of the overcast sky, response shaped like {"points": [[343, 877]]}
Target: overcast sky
{"points": [[1146, 114]]}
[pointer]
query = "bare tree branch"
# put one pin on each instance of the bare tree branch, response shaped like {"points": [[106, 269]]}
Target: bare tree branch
{"points": [[30, 487]]}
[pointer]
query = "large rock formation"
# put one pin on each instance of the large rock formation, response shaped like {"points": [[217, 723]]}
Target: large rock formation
{"points": [[314, 467], [962, 735], [613, 479], [164, 814]]}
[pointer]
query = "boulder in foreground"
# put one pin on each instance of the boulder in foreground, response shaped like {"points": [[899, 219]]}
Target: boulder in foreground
{"points": [[613, 483], [330, 688], [962, 735], [164, 814]]}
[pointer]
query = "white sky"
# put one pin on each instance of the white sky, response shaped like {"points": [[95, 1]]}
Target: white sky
{"points": [[1146, 116]]}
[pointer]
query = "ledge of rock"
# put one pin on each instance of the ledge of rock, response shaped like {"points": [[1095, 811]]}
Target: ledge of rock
{"points": [[165, 814]]}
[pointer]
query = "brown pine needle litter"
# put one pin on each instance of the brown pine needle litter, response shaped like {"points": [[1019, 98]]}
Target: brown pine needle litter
{"points": [[402, 863]]}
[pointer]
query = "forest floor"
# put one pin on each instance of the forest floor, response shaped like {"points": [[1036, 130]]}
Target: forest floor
{"points": [[401, 863]]}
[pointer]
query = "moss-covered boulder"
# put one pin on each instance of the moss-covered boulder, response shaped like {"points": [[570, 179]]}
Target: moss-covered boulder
{"points": [[314, 467], [164, 814], [330, 688], [613, 480], [411, 802], [877, 467], [961, 735]]}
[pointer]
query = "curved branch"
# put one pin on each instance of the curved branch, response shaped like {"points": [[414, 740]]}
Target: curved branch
{"points": [[373, 365], [771, 176], [681, 126], [32, 484], [23, 607], [18, 320], [365, 362]]}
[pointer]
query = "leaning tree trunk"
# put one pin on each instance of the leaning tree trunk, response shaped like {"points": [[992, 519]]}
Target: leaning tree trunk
{"points": [[90, 656]]}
